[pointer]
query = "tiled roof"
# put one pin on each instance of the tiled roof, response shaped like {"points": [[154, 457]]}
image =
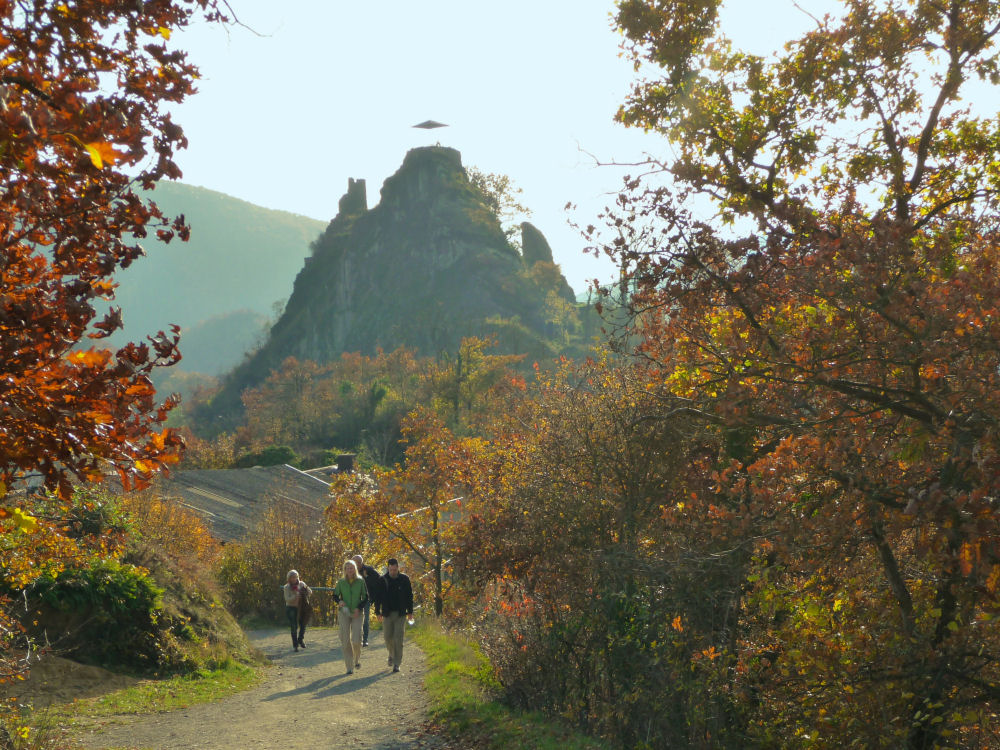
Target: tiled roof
{"points": [[231, 500]]}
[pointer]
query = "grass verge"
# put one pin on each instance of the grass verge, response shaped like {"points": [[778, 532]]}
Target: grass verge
{"points": [[150, 696], [461, 687]]}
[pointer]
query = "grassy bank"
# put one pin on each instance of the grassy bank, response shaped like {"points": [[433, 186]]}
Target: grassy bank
{"points": [[462, 694], [149, 696], [48, 728]]}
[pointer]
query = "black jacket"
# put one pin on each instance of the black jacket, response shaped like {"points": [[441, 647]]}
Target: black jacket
{"points": [[395, 595], [373, 582]]}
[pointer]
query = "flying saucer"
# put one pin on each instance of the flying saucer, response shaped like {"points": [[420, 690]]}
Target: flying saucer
{"points": [[430, 125]]}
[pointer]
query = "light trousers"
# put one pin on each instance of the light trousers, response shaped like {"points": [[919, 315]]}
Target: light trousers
{"points": [[393, 625], [350, 637]]}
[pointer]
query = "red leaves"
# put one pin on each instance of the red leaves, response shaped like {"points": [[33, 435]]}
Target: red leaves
{"points": [[67, 411]]}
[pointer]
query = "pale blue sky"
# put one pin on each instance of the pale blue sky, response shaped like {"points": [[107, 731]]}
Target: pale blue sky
{"points": [[330, 90]]}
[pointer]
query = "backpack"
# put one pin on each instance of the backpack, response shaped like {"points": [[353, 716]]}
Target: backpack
{"points": [[305, 606]]}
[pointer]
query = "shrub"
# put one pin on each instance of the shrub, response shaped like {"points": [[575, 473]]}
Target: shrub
{"points": [[103, 614], [614, 657], [273, 455], [252, 571], [166, 524]]}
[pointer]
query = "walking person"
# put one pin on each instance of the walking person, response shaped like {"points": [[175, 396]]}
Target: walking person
{"points": [[395, 605], [373, 583], [351, 594], [297, 607]]}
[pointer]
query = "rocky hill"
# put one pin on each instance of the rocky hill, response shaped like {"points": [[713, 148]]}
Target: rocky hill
{"points": [[425, 267]]}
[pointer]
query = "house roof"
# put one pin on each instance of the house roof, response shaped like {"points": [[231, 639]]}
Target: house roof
{"points": [[231, 500]]}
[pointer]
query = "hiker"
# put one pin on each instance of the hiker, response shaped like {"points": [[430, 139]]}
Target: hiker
{"points": [[297, 607], [351, 594], [372, 582], [395, 604]]}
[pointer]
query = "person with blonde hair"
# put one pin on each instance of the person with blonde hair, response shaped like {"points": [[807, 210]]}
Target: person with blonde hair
{"points": [[373, 581], [351, 594], [297, 595]]}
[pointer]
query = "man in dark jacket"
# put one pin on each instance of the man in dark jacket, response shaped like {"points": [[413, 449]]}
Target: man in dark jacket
{"points": [[373, 582], [395, 605]]}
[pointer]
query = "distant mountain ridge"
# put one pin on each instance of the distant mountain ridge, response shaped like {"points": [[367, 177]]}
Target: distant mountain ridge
{"points": [[223, 285]]}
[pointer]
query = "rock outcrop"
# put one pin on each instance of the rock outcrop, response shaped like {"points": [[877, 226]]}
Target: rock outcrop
{"points": [[424, 268], [535, 249]]}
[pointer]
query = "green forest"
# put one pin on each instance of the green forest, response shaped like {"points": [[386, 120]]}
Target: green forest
{"points": [[761, 510]]}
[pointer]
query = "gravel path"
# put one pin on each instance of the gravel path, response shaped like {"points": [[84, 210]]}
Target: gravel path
{"points": [[305, 701]]}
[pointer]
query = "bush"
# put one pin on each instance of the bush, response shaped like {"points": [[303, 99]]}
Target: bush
{"points": [[253, 571], [629, 658], [104, 614], [142, 597], [273, 455], [165, 524]]}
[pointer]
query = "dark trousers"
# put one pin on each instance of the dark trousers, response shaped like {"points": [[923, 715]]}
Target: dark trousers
{"points": [[366, 610], [292, 613]]}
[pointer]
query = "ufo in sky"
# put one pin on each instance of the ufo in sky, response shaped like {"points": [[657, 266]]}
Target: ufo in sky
{"points": [[430, 125]]}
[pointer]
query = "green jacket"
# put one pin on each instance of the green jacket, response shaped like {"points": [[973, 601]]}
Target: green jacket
{"points": [[352, 594]]}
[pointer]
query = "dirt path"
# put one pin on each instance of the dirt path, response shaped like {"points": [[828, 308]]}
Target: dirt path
{"points": [[305, 701]]}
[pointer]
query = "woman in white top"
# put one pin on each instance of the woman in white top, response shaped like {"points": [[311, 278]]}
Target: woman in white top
{"points": [[296, 603]]}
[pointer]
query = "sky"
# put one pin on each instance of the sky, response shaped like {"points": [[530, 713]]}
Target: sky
{"points": [[314, 92]]}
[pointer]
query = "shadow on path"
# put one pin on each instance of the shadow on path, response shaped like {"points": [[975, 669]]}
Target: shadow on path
{"points": [[306, 701]]}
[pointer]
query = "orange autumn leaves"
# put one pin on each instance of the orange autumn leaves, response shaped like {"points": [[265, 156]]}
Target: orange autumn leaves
{"points": [[84, 92], [102, 153], [837, 321], [73, 412]]}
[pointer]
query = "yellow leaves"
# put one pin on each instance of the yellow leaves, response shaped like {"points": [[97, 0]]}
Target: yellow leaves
{"points": [[993, 580], [90, 357], [163, 31], [98, 417], [103, 288], [102, 152], [145, 467], [967, 556], [25, 522], [676, 624]]}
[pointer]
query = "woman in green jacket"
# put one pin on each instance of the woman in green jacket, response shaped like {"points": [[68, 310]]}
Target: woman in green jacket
{"points": [[352, 596]]}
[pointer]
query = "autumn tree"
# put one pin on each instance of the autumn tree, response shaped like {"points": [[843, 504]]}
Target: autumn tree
{"points": [[415, 508], [501, 196], [837, 316], [589, 592], [467, 383], [85, 88], [356, 402], [296, 404]]}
